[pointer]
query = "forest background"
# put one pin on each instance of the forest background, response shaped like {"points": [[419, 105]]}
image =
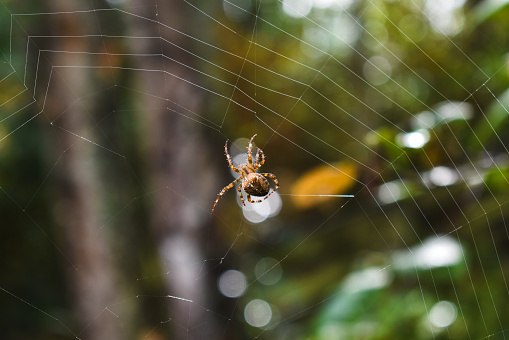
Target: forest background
{"points": [[113, 120]]}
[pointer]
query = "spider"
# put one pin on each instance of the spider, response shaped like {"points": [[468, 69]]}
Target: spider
{"points": [[253, 183]]}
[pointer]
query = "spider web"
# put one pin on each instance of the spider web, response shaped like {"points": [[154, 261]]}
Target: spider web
{"points": [[382, 121]]}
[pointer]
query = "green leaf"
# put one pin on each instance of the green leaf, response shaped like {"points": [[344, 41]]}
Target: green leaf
{"points": [[486, 9], [490, 126]]}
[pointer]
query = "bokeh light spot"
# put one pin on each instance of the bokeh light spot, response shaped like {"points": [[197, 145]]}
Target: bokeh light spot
{"points": [[257, 313], [441, 252], [414, 140], [377, 70], [232, 283], [297, 8], [259, 212], [443, 314], [390, 192], [442, 176], [268, 271]]}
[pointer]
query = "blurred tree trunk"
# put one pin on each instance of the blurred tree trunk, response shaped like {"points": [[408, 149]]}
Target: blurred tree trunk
{"points": [[92, 274], [179, 167]]}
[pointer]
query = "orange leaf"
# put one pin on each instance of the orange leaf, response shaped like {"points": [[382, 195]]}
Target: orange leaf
{"points": [[323, 180]]}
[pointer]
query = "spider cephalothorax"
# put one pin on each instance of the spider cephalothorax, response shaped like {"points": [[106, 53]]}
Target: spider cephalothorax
{"points": [[253, 183]]}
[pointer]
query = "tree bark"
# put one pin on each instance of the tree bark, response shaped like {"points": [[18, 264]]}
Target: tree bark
{"points": [[92, 273], [179, 168]]}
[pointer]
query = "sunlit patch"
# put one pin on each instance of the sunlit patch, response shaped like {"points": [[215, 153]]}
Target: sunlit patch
{"points": [[372, 138], [337, 33], [445, 16], [259, 212], [450, 111], [257, 313], [268, 271], [423, 120], [316, 42], [434, 252], [366, 279], [297, 8], [232, 283], [414, 140], [391, 192], [330, 3], [443, 314], [345, 29], [333, 330], [442, 176], [237, 10], [473, 176], [442, 252]]}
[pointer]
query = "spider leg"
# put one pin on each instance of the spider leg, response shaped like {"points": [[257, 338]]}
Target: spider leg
{"points": [[229, 159], [259, 158], [241, 197], [249, 149], [225, 189], [273, 178]]}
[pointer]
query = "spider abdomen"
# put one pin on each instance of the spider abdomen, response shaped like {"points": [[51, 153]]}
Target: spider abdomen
{"points": [[255, 184]]}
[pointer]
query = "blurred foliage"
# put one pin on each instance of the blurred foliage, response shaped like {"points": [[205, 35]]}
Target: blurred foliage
{"points": [[381, 69], [428, 70]]}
